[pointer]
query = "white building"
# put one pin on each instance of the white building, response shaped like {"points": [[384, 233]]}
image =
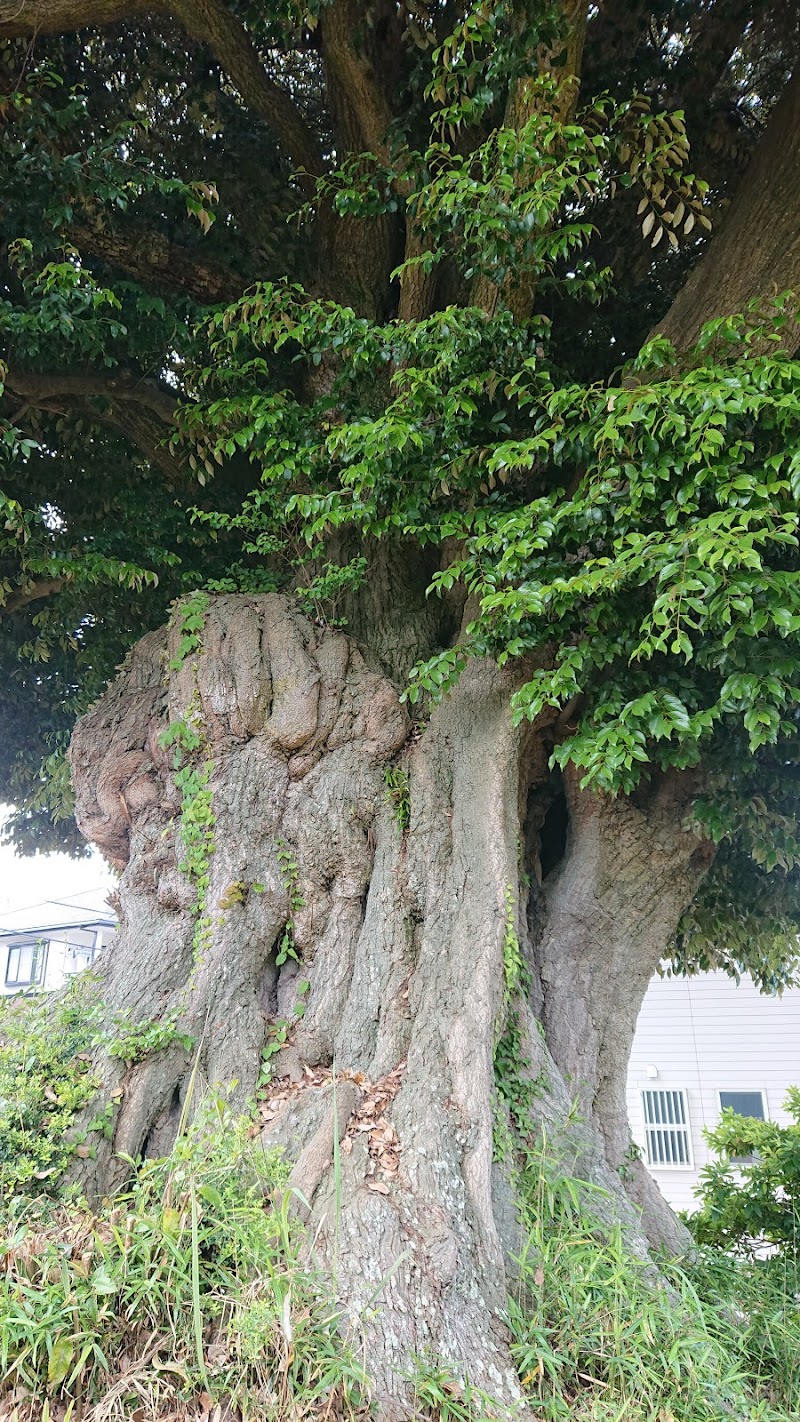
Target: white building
{"points": [[703, 1043], [46, 957]]}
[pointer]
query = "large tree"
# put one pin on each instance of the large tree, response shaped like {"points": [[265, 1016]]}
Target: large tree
{"points": [[410, 336]]}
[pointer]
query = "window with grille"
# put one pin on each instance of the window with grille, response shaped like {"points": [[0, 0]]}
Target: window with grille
{"points": [[666, 1129]]}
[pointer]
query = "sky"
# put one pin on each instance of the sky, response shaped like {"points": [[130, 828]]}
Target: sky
{"points": [[28, 887]]}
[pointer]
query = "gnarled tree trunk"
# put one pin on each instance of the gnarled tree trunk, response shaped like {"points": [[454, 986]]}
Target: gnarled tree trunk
{"points": [[402, 900]]}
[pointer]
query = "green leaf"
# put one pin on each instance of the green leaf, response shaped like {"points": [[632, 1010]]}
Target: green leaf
{"points": [[60, 1361]]}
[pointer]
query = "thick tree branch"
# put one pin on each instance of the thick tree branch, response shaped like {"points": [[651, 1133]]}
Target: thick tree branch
{"points": [[352, 79], [141, 409], [22, 18], [212, 22], [714, 36], [45, 389], [356, 254], [31, 592], [208, 21], [756, 253], [159, 263]]}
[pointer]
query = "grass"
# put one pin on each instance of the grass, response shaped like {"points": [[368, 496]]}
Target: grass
{"points": [[601, 1336], [185, 1292], [192, 1291]]}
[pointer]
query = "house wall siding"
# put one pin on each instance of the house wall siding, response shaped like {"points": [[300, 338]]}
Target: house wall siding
{"points": [[705, 1035]]}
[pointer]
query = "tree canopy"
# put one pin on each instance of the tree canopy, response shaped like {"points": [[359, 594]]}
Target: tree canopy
{"points": [[509, 283]]}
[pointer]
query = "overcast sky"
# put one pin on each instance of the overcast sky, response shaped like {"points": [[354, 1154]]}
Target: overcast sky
{"points": [[28, 885]]}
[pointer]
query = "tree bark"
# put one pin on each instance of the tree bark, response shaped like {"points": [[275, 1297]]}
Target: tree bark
{"points": [[631, 868], [400, 906], [756, 253]]}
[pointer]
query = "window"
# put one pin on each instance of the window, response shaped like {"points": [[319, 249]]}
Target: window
{"points": [[666, 1129], [26, 964], [744, 1103]]}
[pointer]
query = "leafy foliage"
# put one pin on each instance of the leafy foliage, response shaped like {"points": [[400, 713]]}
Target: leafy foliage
{"points": [[192, 768], [133, 1041], [46, 1079], [290, 874], [750, 1193], [398, 795]]}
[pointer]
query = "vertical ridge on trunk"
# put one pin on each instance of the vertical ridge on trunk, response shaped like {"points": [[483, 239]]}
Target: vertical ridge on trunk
{"points": [[630, 869]]}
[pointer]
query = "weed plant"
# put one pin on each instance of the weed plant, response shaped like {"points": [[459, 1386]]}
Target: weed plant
{"points": [[755, 1308], [600, 1335], [184, 1292]]}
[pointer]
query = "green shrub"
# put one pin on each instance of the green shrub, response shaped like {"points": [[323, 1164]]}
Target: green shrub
{"points": [[45, 1079], [750, 1194]]}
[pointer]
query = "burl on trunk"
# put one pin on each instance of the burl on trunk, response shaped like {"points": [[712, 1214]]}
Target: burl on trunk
{"points": [[305, 870]]}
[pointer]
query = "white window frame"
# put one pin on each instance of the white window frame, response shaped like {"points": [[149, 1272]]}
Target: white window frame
{"points": [[661, 1135], [744, 1090]]}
